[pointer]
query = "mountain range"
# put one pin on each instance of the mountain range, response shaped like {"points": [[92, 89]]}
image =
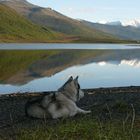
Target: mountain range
{"points": [[132, 23], [116, 29], [63, 28]]}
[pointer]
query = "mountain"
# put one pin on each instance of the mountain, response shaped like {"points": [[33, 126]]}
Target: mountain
{"points": [[133, 23], [56, 21], [127, 32], [115, 23], [16, 28]]}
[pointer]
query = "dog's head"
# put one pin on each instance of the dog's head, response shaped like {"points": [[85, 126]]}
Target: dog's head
{"points": [[72, 89]]}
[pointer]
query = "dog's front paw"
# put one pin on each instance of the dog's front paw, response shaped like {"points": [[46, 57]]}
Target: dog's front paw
{"points": [[89, 111]]}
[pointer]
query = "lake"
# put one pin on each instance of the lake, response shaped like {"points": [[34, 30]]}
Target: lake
{"points": [[45, 46], [45, 67]]}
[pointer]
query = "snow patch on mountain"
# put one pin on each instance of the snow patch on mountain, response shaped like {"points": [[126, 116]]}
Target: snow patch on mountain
{"points": [[133, 23]]}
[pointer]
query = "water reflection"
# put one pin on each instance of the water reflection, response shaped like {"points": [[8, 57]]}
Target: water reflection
{"points": [[107, 69], [133, 62]]}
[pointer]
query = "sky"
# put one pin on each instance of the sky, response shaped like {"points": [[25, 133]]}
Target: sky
{"points": [[94, 10]]}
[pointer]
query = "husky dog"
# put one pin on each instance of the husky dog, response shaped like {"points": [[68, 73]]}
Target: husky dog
{"points": [[60, 104]]}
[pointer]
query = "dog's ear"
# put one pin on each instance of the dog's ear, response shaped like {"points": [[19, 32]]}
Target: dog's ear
{"points": [[76, 79], [70, 79]]}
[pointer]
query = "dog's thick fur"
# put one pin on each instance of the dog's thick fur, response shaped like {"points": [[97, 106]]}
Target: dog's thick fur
{"points": [[60, 104]]}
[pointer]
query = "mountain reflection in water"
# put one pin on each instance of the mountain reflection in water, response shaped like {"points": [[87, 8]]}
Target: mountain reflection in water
{"points": [[107, 69]]}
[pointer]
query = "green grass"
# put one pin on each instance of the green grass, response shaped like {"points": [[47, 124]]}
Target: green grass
{"points": [[83, 128], [101, 124], [16, 28]]}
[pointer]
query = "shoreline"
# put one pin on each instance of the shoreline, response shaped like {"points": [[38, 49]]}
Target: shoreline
{"points": [[101, 89], [75, 42], [105, 103]]}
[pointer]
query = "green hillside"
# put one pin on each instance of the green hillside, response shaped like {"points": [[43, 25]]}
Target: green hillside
{"points": [[60, 23], [16, 28]]}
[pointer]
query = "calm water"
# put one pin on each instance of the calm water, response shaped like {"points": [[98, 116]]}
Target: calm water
{"points": [[45, 46], [110, 68]]}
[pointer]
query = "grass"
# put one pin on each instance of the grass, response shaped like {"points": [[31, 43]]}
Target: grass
{"points": [[83, 128], [115, 125], [16, 28]]}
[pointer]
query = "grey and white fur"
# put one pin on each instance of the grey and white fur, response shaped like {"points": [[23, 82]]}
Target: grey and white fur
{"points": [[60, 104]]}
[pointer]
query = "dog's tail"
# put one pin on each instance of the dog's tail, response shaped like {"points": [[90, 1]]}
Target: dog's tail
{"points": [[29, 103]]}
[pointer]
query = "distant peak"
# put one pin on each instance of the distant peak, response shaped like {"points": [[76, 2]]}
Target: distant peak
{"points": [[133, 23], [114, 23], [110, 23], [102, 22]]}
